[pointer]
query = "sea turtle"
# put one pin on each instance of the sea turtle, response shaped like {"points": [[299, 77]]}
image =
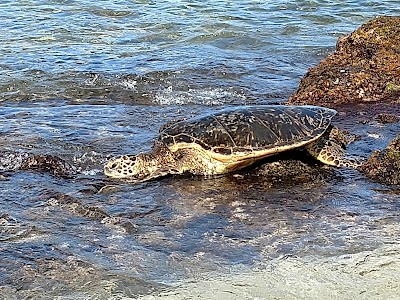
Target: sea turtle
{"points": [[234, 138]]}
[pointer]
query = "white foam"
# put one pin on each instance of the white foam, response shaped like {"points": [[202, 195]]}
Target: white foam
{"points": [[208, 96], [129, 84]]}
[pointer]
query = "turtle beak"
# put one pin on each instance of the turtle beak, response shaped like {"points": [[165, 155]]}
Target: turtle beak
{"points": [[107, 170], [111, 168]]}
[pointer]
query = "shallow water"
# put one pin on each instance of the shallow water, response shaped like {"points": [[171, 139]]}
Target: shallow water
{"points": [[85, 81]]}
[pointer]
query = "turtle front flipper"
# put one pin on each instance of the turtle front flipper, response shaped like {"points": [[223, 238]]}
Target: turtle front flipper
{"points": [[331, 153]]}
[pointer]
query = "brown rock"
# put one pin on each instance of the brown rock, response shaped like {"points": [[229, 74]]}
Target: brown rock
{"points": [[364, 68], [384, 166], [48, 163], [385, 118]]}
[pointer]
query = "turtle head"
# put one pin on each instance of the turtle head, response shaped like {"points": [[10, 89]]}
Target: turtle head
{"points": [[127, 166], [143, 166]]}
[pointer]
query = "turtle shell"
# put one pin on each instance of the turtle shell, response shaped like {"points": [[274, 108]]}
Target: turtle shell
{"points": [[249, 131]]}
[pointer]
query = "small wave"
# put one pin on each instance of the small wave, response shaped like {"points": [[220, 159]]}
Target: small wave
{"points": [[10, 161], [92, 172], [153, 88], [208, 96]]}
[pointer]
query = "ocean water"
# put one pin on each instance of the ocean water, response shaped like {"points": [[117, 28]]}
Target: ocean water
{"points": [[86, 80]]}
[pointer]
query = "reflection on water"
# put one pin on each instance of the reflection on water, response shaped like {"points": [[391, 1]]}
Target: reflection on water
{"points": [[86, 81]]}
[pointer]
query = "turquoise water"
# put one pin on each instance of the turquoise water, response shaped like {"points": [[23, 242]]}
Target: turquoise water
{"points": [[86, 80]]}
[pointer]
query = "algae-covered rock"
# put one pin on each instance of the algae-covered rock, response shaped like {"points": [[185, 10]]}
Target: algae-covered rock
{"points": [[384, 166], [14, 161], [364, 68], [294, 171], [293, 167], [48, 163], [385, 118]]}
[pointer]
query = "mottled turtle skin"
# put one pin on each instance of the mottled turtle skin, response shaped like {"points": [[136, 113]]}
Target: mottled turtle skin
{"points": [[234, 138]]}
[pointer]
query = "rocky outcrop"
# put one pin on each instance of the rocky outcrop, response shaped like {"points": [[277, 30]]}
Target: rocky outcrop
{"points": [[364, 68], [384, 166]]}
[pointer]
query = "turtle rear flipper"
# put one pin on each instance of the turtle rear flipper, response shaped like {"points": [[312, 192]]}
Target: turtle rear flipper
{"points": [[331, 153]]}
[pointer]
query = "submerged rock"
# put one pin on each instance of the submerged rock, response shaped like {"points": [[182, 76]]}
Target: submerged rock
{"points": [[48, 163], [364, 68], [385, 118], [14, 161], [78, 208], [11, 229], [384, 166]]}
